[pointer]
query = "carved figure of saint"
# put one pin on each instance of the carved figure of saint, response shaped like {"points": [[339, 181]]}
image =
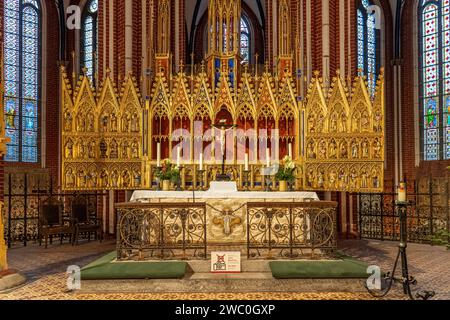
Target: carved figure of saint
{"points": [[135, 123], [81, 150], [333, 122], [114, 179], [375, 180], [137, 178], [81, 179], [365, 149], [104, 123], [68, 121], [353, 179], [94, 179], [355, 149], [91, 150], [113, 122], [365, 121], [113, 153], [320, 179], [322, 150], [377, 149], [125, 179], [342, 179], [69, 149], [125, 123], [80, 123], [311, 153], [103, 149], [90, 122], [344, 151], [135, 150], [104, 179], [332, 179], [343, 122], [320, 123], [364, 179], [333, 150], [70, 178], [377, 122], [125, 148]]}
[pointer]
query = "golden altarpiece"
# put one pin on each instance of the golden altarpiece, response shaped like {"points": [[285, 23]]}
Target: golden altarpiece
{"points": [[110, 135]]}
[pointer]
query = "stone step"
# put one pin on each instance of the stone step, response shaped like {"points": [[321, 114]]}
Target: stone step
{"points": [[222, 284]]}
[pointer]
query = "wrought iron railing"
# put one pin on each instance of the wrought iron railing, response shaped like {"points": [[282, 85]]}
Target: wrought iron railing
{"points": [[427, 214], [148, 231], [22, 195], [291, 230]]}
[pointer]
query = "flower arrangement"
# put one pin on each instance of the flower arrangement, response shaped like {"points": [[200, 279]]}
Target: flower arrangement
{"points": [[286, 170], [168, 171]]}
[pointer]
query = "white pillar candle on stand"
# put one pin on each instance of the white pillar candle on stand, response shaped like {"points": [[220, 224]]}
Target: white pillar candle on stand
{"points": [[268, 157], [401, 195], [246, 162], [158, 155], [201, 161], [290, 150], [178, 156]]}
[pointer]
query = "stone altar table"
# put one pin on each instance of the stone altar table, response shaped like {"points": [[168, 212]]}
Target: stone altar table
{"points": [[226, 218]]}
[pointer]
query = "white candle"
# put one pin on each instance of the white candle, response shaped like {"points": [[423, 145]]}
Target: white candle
{"points": [[201, 161], [246, 162], [178, 156], [401, 195], [158, 155], [290, 150], [268, 157]]}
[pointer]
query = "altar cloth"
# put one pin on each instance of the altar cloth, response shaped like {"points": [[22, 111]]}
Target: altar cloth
{"points": [[147, 195]]}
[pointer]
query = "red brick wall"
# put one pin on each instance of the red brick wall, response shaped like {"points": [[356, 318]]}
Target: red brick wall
{"points": [[316, 38], [52, 81]]}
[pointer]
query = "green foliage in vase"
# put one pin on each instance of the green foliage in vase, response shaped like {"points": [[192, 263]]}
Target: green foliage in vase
{"points": [[168, 171], [286, 170]]}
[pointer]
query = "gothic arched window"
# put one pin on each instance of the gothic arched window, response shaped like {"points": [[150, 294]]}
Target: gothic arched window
{"points": [[22, 58], [245, 41], [434, 77], [368, 44], [89, 38]]}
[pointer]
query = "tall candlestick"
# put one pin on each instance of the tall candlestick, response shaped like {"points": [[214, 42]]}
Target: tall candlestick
{"points": [[246, 162], [158, 155], [268, 157], [178, 156], [290, 150], [201, 161]]}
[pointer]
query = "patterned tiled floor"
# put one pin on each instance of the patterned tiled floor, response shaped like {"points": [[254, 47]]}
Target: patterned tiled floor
{"points": [[45, 270]]}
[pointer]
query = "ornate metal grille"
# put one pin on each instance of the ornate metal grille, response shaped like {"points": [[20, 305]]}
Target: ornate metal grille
{"points": [[290, 230], [22, 193], [428, 213], [161, 231]]}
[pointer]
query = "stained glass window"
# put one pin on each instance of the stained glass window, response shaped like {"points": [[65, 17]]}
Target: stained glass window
{"points": [[22, 52], [434, 64], [368, 44], [245, 41], [89, 38]]}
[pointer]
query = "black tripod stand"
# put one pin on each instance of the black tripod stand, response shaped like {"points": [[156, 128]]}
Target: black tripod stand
{"points": [[406, 279]]}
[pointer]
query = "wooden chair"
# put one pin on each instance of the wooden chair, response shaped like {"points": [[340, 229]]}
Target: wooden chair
{"points": [[52, 222], [85, 222]]}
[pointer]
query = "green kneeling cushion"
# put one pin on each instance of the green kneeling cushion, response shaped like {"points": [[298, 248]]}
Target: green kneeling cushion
{"points": [[106, 268], [346, 268]]}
